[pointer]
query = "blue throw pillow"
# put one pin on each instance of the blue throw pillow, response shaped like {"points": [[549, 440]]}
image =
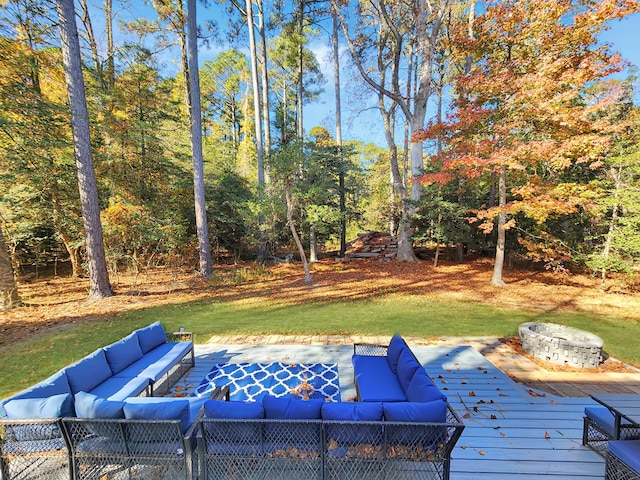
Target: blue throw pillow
{"points": [[407, 367], [150, 337], [396, 345], [422, 389], [123, 353], [92, 406], [291, 408], [222, 409], [88, 373], [49, 407], [429, 412], [157, 408]]}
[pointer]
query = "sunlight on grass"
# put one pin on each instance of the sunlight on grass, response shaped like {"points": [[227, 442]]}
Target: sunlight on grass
{"points": [[419, 316]]}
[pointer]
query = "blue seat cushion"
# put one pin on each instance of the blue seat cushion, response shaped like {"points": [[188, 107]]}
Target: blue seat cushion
{"points": [[396, 345], [123, 353], [119, 388], [407, 367], [49, 407], [602, 416], [86, 374], [158, 408], [150, 337], [376, 382], [222, 409], [346, 422], [422, 389], [628, 451], [90, 406], [155, 363]]}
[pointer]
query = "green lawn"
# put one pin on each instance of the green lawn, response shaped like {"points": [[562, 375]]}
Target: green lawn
{"points": [[25, 363]]}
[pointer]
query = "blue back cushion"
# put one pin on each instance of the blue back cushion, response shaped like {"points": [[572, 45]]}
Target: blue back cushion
{"points": [[150, 337], [50, 407], [158, 408], [222, 409], [427, 412], [396, 345], [352, 411], [243, 435], [54, 385], [349, 416], [92, 406], [89, 372], [123, 353], [427, 437], [407, 367], [305, 433], [292, 408], [422, 389]]}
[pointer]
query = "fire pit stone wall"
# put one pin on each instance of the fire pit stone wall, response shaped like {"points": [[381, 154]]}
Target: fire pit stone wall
{"points": [[561, 345]]}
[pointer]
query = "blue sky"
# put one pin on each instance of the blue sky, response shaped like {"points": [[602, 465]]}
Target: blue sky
{"points": [[361, 121]]}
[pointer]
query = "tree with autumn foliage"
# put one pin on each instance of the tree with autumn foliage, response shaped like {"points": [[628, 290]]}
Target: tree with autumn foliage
{"points": [[523, 113]]}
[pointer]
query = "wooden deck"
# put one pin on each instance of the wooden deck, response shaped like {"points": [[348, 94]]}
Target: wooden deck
{"points": [[511, 431]]}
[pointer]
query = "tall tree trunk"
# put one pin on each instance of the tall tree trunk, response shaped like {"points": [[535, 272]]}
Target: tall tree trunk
{"points": [[300, 70], [313, 245], [110, 77], [341, 179], [264, 71], [91, 38], [195, 121], [616, 175], [498, 264], [99, 286], [74, 257], [262, 247], [8, 288], [294, 232]]}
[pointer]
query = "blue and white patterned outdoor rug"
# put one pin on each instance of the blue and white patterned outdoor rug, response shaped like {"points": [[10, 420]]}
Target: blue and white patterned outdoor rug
{"points": [[252, 381]]}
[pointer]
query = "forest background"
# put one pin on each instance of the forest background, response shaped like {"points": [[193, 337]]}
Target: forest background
{"points": [[509, 127]]}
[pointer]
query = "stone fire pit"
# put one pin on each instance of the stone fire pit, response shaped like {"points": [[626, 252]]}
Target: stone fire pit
{"points": [[561, 345]]}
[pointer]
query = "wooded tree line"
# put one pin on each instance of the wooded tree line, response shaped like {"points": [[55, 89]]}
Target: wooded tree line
{"points": [[532, 149]]}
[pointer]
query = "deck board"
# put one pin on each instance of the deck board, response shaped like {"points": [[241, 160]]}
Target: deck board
{"points": [[511, 430]]}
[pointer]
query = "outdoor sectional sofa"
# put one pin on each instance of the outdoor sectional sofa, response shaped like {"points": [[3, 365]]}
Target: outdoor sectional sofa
{"points": [[212, 437], [403, 435], [113, 383]]}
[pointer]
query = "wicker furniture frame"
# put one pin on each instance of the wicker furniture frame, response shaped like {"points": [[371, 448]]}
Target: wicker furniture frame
{"points": [[618, 469], [597, 438], [320, 449], [97, 449]]}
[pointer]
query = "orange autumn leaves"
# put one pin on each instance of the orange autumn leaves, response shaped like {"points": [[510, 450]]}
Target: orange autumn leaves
{"points": [[537, 102]]}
